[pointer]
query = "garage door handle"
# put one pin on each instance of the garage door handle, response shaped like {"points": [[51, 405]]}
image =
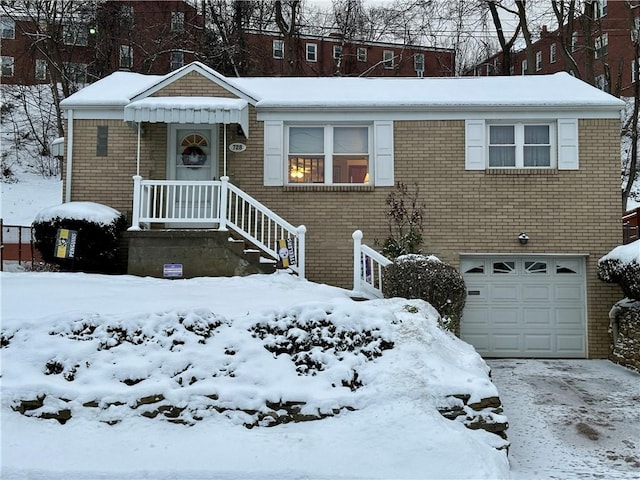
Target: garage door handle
{"points": [[473, 292]]}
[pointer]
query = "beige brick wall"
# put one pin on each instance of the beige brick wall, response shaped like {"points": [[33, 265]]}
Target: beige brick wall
{"points": [[109, 179], [563, 212], [466, 211]]}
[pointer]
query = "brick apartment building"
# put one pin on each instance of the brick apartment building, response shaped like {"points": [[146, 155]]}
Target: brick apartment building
{"points": [[140, 36], [159, 37], [333, 55], [606, 54]]}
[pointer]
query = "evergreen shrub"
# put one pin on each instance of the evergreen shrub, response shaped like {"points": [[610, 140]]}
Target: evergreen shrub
{"points": [[97, 242], [429, 279]]}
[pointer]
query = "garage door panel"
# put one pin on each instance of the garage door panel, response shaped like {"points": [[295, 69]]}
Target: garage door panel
{"points": [[506, 343], [570, 345], [477, 293], [541, 316], [536, 293], [569, 317], [504, 317], [570, 293], [540, 343], [525, 306], [501, 292], [478, 318]]}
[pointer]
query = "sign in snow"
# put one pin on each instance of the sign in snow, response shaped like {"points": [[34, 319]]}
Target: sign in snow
{"points": [[65, 243], [172, 270], [286, 253], [237, 147]]}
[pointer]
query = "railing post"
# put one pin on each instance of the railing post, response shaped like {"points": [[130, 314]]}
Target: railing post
{"points": [[137, 193], [222, 204], [302, 231], [357, 260]]}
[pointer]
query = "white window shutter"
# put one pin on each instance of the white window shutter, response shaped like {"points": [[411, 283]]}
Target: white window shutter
{"points": [[383, 153], [568, 144], [475, 141], [273, 153]]}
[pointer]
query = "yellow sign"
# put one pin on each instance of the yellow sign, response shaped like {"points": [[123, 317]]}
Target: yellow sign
{"points": [[66, 243], [286, 253]]}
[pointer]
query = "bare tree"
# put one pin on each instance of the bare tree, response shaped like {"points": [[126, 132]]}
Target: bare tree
{"points": [[630, 126], [56, 29], [506, 46], [287, 16]]}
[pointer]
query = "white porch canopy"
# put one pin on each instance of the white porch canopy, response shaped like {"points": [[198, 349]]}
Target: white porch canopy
{"points": [[207, 110]]}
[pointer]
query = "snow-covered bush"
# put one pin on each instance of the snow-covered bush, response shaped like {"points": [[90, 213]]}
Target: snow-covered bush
{"points": [[99, 231], [622, 266], [429, 279]]}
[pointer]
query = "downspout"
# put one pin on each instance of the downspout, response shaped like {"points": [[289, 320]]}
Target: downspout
{"points": [[67, 193]]}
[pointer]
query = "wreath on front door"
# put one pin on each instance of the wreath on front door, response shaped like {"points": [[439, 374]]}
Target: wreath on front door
{"points": [[193, 156]]}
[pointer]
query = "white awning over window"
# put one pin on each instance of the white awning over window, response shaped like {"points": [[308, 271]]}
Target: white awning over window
{"points": [[205, 110]]}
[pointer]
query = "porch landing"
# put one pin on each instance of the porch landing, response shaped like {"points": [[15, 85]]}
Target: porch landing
{"points": [[200, 253]]}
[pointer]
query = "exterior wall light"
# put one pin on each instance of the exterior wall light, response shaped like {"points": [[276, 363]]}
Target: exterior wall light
{"points": [[523, 238]]}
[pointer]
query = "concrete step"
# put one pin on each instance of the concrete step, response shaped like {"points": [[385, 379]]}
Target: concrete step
{"points": [[194, 252]]}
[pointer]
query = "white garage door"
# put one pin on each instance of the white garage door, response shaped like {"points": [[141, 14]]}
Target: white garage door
{"points": [[519, 306]]}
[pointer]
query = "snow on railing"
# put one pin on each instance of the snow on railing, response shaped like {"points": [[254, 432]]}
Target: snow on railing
{"points": [[367, 268], [216, 202]]}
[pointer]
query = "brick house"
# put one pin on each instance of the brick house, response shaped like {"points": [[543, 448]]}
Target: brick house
{"points": [[494, 158], [608, 49]]}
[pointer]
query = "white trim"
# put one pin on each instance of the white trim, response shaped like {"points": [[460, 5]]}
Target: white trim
{"points": [[69, 158], [524, 113]]}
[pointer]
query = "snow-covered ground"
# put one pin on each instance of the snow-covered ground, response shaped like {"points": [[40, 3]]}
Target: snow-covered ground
{"points": [[74, 320]]}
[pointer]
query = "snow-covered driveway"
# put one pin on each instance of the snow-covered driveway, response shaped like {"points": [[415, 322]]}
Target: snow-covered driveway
{"points": [[570, 419]]}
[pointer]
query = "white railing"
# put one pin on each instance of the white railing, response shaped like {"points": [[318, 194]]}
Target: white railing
{"points": [[215, 202], [367, 268]]}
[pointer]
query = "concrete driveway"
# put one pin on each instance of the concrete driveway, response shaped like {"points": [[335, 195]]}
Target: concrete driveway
{"points": [[570, 419]]}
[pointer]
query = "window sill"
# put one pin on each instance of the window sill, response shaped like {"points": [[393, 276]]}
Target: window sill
{"points": [[328, 188], [521, 171]]}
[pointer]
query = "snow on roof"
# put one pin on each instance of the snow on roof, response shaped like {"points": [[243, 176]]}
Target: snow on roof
{"points": [[115, 90], [556, 90], [559, 89]]}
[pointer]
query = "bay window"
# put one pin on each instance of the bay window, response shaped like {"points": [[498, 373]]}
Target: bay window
{"points": [[328, 154]]}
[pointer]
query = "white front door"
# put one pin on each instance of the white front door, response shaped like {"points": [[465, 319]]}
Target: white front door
{"points": [[193, 156]]}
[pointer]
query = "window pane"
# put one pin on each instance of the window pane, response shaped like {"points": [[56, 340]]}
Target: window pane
{"points": [[504, 267], [306, 140], [537, 156], [535, 267], [102, 141], [350, 140], [502, 135], [502, 156], [306, 169], [350, 169], [536, 134]]}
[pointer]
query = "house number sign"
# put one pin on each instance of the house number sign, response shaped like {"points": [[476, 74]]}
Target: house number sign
{"points": [[237, 147]]}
